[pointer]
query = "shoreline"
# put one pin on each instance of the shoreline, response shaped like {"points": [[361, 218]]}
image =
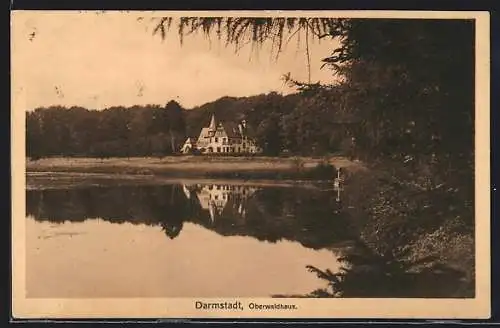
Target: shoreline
{"points": [[57, 180], [200, 167]]}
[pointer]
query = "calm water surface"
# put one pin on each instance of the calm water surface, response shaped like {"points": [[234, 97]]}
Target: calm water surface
{"points": [[180, 240]]}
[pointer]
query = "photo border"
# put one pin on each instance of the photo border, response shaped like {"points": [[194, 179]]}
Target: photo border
{"points": [[478, 308]]}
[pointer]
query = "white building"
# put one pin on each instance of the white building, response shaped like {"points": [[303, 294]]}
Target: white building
{"points": [[222, 138]]}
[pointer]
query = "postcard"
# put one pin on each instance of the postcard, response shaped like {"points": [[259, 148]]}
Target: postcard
{"points": [[250, 164]]}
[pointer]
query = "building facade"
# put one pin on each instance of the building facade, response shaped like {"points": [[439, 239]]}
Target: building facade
{"points": [[222, 138]]}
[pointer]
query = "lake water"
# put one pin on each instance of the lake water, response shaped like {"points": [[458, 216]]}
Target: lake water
{"points": [[209, 239], [179, 240]]}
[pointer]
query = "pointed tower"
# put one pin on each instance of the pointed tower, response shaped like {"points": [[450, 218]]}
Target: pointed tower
{"points": [[212, 125]]}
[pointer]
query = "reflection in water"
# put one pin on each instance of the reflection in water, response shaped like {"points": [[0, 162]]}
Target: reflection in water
{"points": [[289, 235], [215, 198], [311, 217], [223, 224]]}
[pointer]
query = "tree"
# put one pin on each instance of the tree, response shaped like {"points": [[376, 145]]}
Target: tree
{"points": [[176, 124], [411, 80], [34, 141], [268, 135]]}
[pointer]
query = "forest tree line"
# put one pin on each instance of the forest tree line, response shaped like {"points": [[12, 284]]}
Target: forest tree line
{"points": [[278, 123]]}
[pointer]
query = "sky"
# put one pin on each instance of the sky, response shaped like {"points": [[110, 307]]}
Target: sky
{"points": [[102, 59]]}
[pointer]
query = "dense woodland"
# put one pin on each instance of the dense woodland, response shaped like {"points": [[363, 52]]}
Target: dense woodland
{"points": [[155, 130]]}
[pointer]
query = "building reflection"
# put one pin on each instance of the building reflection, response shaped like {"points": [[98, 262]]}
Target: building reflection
{"points": [[216, 198]]}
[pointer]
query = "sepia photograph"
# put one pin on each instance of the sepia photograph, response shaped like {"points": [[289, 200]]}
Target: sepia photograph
{"points": [[250, 164]]}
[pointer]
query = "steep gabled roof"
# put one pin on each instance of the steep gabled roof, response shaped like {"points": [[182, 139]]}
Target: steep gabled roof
{"points": [[204, 132], [231, 129], [212, 123], [191, 140]]}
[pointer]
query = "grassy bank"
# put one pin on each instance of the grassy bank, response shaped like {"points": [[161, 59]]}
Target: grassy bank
{"points": [[417, 220], [201, 167]]}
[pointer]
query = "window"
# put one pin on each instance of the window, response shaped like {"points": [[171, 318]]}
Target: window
{"points": [[216, 139], [218, 148]]}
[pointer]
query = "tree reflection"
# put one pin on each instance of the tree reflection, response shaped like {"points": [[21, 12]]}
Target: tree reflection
{"points": [[171, 229], [269, 214]]}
